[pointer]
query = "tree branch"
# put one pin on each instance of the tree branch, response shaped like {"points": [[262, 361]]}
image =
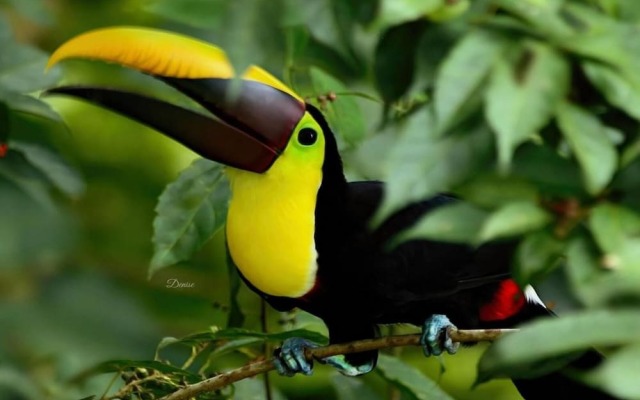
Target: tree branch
{"points": [[260, 367]]}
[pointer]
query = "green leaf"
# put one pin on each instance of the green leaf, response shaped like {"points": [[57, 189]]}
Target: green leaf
{"points": [[235, 345], [617, 233], [457, 85], [253, 389], [457, 222], [32, 234], [597, 36], [544, 167], [615, 135], [343, 113], [363, 11], [628, 10], [450, 10], [581, 29], [537, 255], [626, 184], [367, 159], [18, 383], [277, 336], [598, 279], [349, 388], [208, 347], [124, 365], [246, 20], [619, 373], [434, 45], [305, 51], [5, 28], [543, 15], [395, 61], [63, 177], [35, 10], [329, 22], [28, 105], [206, 14], [595, 152], [494, 190], [513, 219], [189, 212], [166, 341], [235, 25], [523, 94], [22, 68], [421, 165], [297, 39], [15, 168], [609, 7], [612, 225], [528, 350], [630, 153], [621, 92], [320, 34], [5, 123], [394, 12], [239, 333], [410, 380]]}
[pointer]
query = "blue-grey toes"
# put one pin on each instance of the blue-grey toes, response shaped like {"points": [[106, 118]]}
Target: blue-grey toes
{"points": [[435, 336], [346, 368], [290, 359]]}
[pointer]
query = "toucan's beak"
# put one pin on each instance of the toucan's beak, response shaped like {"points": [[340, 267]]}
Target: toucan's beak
{"points": [[255, 118]]}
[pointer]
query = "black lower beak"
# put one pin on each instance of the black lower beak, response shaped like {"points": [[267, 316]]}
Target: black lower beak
{"points": [[211, 138]]}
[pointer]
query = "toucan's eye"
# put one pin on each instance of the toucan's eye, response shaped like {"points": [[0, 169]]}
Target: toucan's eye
{"points": [[307, 136]]}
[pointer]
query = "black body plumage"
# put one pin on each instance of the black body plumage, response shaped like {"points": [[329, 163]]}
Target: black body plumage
{"points": [[361, 283]]}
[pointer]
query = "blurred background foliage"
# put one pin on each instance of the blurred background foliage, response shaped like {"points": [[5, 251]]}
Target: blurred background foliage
{"points": [[528, 109]]}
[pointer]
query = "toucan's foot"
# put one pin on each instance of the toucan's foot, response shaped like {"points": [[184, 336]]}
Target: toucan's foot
{"points": [[346, 368], [290, 358], [435, 336]]}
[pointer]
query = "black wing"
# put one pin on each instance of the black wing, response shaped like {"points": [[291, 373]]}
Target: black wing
{"points": [[419, 276]]}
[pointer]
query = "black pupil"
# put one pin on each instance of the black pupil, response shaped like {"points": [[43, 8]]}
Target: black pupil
{"points": [[307, 136]]}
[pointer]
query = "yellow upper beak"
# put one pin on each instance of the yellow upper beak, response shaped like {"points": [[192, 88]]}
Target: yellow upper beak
{"points": [[159, 53]]}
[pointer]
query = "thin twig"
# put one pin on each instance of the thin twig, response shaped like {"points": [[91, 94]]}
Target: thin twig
{"points": [[260, 367], [264, 321], [122, 393]]}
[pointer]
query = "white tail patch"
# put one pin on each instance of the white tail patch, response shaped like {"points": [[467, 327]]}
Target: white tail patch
{"points": [[532, 297]]}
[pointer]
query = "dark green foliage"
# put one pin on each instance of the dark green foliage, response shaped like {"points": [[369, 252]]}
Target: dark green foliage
{"points": [[395, 59], [519, 354], [409, 380]]}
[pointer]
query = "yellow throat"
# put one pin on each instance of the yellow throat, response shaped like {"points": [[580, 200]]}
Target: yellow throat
{"points": [[271, 219]]}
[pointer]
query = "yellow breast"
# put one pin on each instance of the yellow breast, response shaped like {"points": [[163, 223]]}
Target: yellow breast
{"points": [[271, 224]]}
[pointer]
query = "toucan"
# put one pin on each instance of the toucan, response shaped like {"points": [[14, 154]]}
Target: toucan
{"points": [[299, 234]]}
